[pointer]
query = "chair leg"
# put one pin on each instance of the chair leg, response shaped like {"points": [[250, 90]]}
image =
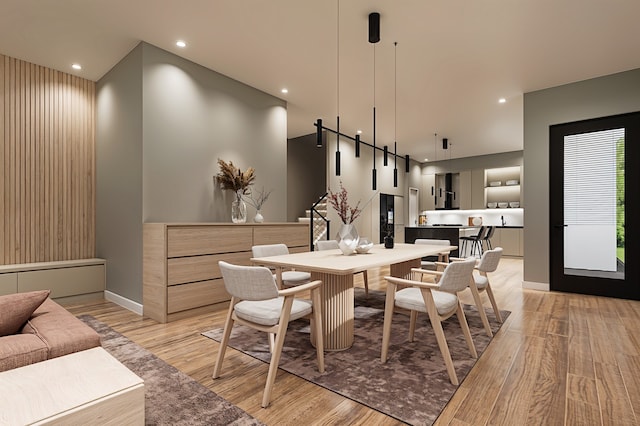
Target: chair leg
{"points": [[317, 328], [277, 351], [413, 316], [442, 343], [465, 330], [481, 312], [272, 340], [389, 304], [366, 283], [493, 302], [228, 325]]}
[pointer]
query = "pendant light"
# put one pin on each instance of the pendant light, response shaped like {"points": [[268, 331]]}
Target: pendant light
{"points": [[374, 37], [338, 89], [395, 114]]}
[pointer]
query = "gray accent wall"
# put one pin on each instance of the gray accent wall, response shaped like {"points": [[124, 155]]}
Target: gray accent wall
{"points": [[172, 120], [119, 175], [598, 97]]}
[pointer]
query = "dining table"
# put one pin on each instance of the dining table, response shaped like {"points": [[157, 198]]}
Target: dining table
{"points": [[336, 270]]}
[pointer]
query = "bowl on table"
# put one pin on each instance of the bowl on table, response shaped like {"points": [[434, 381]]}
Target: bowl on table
{"points": [[492, 205], [503, 205], [514, 204], [364, 245]]}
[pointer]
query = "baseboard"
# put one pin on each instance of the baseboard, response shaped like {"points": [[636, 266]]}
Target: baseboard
{"points": [[532, 285], [124, 302]]}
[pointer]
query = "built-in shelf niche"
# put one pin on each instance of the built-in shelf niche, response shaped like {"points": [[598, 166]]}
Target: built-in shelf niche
{"points": [[503, 185]]}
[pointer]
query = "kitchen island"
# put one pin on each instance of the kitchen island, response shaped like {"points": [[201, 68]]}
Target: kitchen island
{"points": [[507, 237]]}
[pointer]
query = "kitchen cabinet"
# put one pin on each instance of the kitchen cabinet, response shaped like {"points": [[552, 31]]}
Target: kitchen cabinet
{"points": [[466, 189], [427, 198], [477, 189], [510, 239]]}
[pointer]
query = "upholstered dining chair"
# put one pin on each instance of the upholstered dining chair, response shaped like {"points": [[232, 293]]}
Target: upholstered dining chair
{"points": [[257, 302], [333, 244], [439, 300], [480, 283], [442, 257], [289, 278]]}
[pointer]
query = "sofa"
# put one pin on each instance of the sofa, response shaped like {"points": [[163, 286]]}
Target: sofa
{"points": [[34, 328]]}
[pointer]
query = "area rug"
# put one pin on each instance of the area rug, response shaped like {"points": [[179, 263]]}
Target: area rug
{"points": [[171, 397], [412, 386]]}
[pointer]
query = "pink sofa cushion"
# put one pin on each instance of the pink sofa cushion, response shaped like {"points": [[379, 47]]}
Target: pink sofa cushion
{"points": [[62, 332], [15, 310], [18, 350]]}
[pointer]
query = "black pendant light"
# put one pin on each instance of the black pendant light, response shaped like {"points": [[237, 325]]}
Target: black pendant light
{"points": [[338, 90], [395, 114], [374, 37]]}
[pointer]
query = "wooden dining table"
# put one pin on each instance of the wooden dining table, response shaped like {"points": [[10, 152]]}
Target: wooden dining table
{"points": [[336, 270]]}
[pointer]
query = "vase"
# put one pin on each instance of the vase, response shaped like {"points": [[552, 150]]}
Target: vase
{"points": [[258, 218], [238, 209], [388, 241], [347, 238]]}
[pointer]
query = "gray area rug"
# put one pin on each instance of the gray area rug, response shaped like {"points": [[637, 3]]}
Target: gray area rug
{"points": [[171, 397], [412, 386]]}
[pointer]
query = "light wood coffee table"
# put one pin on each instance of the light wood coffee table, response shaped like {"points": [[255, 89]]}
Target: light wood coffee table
{"points": [[87, 387]]}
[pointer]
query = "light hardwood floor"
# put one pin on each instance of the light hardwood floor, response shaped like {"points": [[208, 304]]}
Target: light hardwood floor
{"points": [[558, 359]]}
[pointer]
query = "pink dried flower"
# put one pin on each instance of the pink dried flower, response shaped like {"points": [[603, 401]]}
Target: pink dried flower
{"points": [[341, 205]]}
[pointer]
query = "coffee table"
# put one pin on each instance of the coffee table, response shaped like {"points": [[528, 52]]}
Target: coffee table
{"points": [[87, 387]]}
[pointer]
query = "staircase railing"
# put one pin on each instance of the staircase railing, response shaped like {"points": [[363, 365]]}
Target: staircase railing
{"points": [[318, 228]]}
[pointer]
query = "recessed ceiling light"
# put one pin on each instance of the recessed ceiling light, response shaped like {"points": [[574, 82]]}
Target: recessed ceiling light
{"points": [[359, 132], [502, 100], [180, 43], [426, 159], [76, 66], [285, 91]]}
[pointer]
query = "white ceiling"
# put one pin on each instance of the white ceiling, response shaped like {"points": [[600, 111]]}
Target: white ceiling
{"points": [[455, 58]]}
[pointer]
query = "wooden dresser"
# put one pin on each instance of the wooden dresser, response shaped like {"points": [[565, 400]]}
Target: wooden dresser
{"points": [[180, 261]]}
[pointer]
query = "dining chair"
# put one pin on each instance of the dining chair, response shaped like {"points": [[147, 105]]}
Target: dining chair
{"points": [[256, 302], [480, 283], [289, 278], [426, 263], [439, 300], [333, 244]]}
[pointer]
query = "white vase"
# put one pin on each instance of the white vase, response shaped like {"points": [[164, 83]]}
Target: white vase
{"points": [[258, 217], [347, 238]]}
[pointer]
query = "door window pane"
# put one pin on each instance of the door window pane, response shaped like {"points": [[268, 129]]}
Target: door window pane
{"points": [[594, 203]]}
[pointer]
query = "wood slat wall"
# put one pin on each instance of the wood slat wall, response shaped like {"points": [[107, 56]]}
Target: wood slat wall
{"points": [[47, 186]]}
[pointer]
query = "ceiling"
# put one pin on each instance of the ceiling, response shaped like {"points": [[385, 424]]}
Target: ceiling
{"points": [[453, 61]]}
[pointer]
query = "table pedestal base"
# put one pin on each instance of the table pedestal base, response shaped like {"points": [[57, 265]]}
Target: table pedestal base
{"points": [[337, 297]]}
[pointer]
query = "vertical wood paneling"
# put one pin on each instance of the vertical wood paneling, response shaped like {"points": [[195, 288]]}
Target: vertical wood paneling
{"points": [[47, 187]]}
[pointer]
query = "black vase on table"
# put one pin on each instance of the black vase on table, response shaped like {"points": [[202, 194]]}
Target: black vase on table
{"points": [[388, 241]]}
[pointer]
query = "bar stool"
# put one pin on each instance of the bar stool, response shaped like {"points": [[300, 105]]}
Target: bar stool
{"points": [[487, 238], [475, 240]]}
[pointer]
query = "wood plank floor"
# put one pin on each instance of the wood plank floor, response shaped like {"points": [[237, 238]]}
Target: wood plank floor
{"points": [[558, 359]]}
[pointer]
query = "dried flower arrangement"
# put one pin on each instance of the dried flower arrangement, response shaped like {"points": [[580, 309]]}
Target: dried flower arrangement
{"points": [[259, 199], [231, 177], [341, 205]]}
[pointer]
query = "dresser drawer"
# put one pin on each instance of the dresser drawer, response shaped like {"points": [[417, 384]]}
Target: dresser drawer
{"points": [[199, 268], [194, 240], [292, 236], [194, 295]]}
